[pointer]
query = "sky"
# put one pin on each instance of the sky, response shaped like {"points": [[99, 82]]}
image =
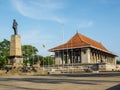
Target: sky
{"points": [[54, 22]]}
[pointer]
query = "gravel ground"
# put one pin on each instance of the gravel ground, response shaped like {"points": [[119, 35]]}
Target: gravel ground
{"points": [[81, 81]]}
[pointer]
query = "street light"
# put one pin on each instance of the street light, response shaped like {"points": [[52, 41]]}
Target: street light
{"points": [[43, 45]]}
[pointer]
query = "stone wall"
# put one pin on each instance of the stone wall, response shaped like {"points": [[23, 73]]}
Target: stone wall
{"points": [[107, 67], [85, 55]]}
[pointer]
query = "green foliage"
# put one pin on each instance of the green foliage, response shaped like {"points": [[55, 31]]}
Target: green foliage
{"points": [[4, 51], [118, 62], [29, 54], [47, 60]]}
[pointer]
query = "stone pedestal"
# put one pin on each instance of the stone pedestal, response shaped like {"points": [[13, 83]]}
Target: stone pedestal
{"points": [[15, 57]]}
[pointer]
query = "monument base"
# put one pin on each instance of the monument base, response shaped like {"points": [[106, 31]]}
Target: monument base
{"points": [[15, 61], [15, 57]]}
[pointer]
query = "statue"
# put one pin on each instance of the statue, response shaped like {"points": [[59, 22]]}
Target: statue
{"points": [[15, 27]]}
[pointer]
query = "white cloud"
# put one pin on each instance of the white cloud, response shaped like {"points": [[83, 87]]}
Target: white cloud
{"points": [[89, 23], [39, 9], [85, 24], [37, 38]]}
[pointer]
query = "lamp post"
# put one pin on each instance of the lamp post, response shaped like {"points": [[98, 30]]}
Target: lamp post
{"points": [[43, 45], [63, 42]]}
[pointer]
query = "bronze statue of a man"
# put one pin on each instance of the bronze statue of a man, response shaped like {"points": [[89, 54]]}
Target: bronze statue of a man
{"points": [[15, 27]]}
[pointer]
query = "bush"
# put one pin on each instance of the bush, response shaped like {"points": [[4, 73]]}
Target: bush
{"points": [[118, 62]]}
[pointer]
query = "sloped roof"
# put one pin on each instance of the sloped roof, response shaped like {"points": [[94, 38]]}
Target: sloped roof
{"points": [[79, 41]]}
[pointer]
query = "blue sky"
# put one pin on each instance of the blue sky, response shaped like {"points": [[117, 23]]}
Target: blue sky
{"points": [[53, 22]]}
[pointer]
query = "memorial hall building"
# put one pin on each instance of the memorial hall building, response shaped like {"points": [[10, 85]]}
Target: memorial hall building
{"points": [[82, 50]]}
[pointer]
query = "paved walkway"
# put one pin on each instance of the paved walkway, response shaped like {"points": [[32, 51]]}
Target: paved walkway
{"points": [[103, 81]]}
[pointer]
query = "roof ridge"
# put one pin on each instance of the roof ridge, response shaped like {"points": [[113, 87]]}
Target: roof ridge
{"points": [[89, 38], [82, 39], [73, 37], [79, 40], [94, 41]]}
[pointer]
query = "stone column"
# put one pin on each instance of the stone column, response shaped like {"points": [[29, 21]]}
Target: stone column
{"points": [[91, 60], [97, 57], [68, 53], [85, 55], [79, 56], [94, 57], [58, 59]]}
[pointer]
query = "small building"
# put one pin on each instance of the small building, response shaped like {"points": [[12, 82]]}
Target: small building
{"points": [[83, 50]]}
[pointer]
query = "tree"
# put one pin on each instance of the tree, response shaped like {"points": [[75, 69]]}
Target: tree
{"points": [[29, 53], [4, 51], [118, 61], [48, 60]]}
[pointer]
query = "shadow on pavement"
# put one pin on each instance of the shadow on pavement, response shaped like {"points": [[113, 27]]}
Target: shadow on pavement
{"points": [[51, 81], [117, 87], [20, 88], [109, 74]]}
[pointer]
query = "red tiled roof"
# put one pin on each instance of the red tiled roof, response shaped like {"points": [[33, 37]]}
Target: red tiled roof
{"points": [[78, 41]]}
